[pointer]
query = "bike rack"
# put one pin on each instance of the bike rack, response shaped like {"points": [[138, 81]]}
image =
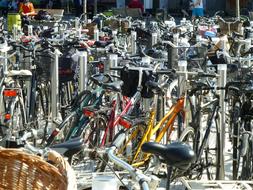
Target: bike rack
{"points": [[83, 70], [222, 79], [113, 62], [217, 185], [30, 30], [133, 42], [154, 38], [55, 103]]}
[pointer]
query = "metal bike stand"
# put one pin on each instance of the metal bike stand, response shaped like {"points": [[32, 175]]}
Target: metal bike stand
{"points": [[238, 9], [55, 102], [154, 38], [247, 47], [61, 32], [96, 35], [5, 66], [101, 24], [222, 79], [76, 23], [146, 101], [133, 42], [182, 67], [4, 55], [15, 32], [216, 184], [30, 30], [83, 70], [113, 62]]}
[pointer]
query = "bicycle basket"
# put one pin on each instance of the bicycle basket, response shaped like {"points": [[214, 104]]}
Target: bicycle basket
{"points": [[23, 171], [43, 66], [66, 72], [131, 78], [44, 69], [229, 27]]}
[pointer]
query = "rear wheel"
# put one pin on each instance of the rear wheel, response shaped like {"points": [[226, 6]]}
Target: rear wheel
{"points": [[209, 161], [235, 126], [188, 137], [130, 151], [18, 118], [212, 152], [95, 135], [245, 161]]}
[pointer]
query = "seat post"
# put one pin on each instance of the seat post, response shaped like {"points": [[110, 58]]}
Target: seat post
{"points": [[169, 172]]}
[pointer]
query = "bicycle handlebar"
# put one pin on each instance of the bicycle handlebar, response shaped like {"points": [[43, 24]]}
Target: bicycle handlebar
{"points": [[140, 178]]}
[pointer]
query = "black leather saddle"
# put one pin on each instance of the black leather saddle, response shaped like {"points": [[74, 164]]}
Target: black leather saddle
{"points": [[176, 154], [100, 79], [155, 87], [114, 86], [70, 147]]}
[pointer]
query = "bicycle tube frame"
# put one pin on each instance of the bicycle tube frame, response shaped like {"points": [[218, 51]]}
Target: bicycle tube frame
{"points": [[169, 118], [112, 123]]}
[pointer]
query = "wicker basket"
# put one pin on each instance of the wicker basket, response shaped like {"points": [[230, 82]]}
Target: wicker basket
{"points": [[23, 171], [228, 27], [91, 27]]}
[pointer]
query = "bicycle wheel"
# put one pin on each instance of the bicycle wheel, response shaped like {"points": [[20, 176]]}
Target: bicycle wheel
{"points": [[245, 162], [95, 135], [188, 137], [18, 119], [247, 165], [235, 126], [212, 153], [130, 151]]}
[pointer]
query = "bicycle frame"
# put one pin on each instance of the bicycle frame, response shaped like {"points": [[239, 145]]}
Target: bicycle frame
{"points": [[168, 120]]}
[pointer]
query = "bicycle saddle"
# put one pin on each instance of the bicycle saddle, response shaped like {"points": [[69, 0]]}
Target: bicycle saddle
{"points": [[155, 87], [114, 86], [70, 147], [176, 154], [99, 79], [102, 44]]}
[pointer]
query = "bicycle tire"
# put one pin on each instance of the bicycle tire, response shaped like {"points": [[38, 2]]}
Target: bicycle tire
{"points": [[128, 151], [92, 135], [245, 168], [18, 119], [213, 149], [235, 125], [188, 137]]}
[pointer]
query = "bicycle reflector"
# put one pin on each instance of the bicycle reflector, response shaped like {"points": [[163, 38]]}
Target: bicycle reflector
{"points": [[7, 116], [123, 122], [10, 93], [88, 112], [55, 132]]}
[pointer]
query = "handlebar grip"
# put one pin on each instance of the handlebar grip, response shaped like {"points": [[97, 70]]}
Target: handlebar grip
{"points": [[119, 140], [52, 136]]}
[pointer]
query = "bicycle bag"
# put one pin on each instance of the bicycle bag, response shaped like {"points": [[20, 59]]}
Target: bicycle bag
{"points": [[131, 78]]}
